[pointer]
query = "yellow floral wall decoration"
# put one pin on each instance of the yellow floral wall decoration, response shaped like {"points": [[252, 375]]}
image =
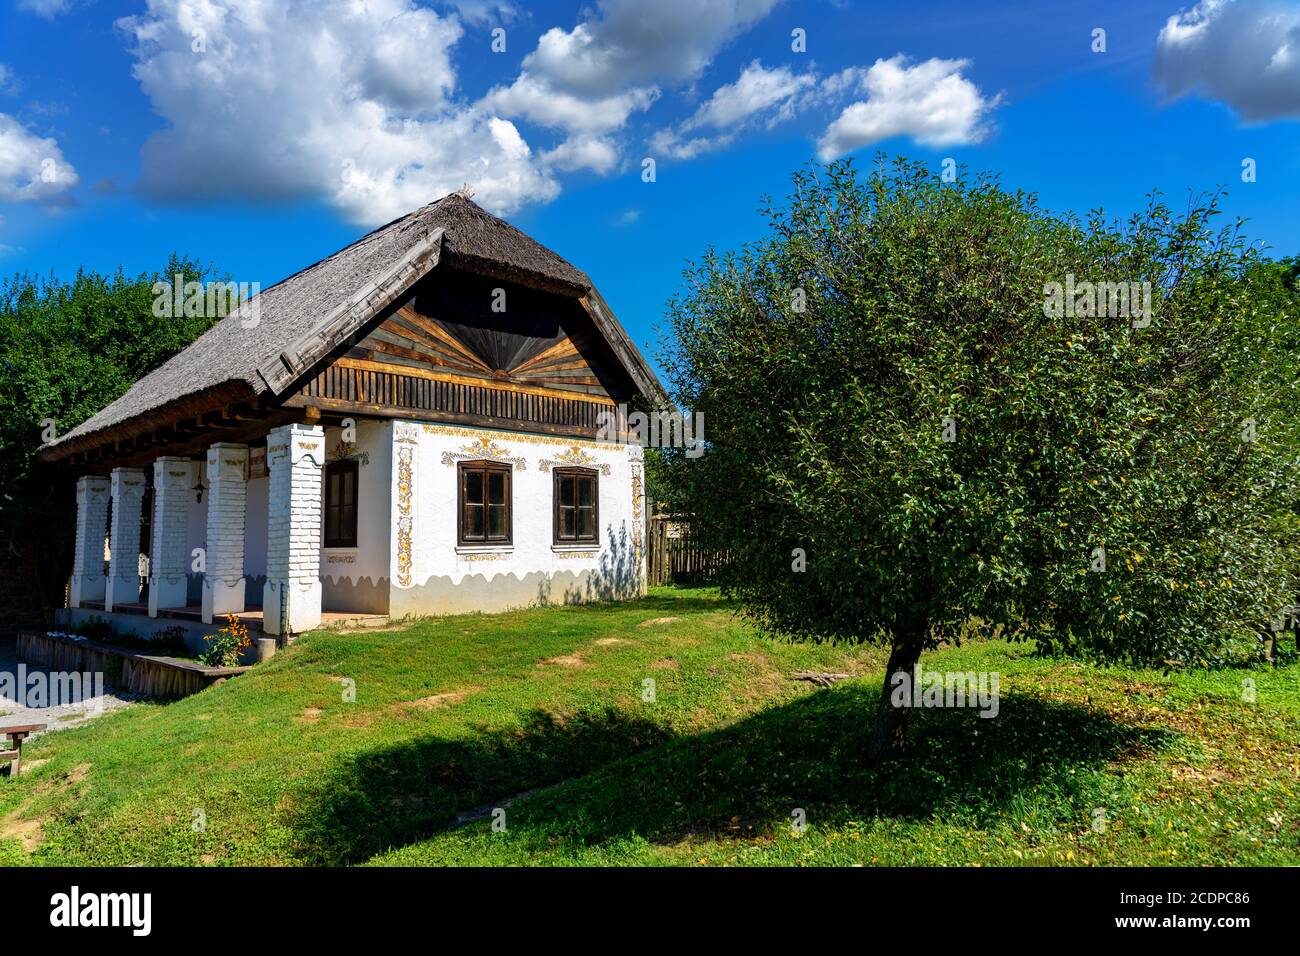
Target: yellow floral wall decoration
{"points": [[405, 480], [573, 456], [484, 448]]}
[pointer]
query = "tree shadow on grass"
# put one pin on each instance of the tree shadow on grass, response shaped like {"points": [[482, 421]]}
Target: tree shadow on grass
{"points": [[747, 779], [633, 778], [396, 795]]}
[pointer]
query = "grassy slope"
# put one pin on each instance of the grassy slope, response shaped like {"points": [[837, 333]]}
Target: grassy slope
{"points": [[464, 712]]}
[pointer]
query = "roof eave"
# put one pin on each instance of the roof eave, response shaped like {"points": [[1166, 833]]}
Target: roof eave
{"points": [[292, 363], [193, 404], [634, 363]]}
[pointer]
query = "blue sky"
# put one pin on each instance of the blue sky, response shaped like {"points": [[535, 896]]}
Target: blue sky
{"points": [[262, 135]]}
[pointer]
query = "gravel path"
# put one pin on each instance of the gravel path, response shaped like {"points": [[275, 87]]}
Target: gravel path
{"points": [[59, 716]]}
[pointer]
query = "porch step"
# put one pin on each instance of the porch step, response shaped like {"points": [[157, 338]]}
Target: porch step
{"points": [[252, 616], [350, 619]]}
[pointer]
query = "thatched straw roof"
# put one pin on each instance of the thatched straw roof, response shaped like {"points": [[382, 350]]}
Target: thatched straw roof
{"points": [[237, 360]]}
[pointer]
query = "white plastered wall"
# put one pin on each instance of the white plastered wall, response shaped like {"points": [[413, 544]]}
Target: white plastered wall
{"points": [[431, 574], [356, 579]]}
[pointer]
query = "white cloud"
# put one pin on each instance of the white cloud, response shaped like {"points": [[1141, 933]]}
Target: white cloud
{"points": [[407, 67], [357, 103], [598, 153], [1245, 53], [759, 94], [531, 98], [32, 168], [6, 78], [485, 11], [931, 102], [49, 9], [637, 42], [588, 81], [756, 90], [345, 101]]}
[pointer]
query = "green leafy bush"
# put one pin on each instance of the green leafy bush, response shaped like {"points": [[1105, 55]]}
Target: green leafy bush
{"points": [[68, 348]]}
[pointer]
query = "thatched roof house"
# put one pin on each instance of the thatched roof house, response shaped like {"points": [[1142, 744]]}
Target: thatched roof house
{"points": [[352, 423], [302, 319]]}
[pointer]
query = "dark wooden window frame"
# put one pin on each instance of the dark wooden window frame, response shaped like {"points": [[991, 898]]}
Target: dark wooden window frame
{"points": [[344, 537], [571, 473], [487, 468]]}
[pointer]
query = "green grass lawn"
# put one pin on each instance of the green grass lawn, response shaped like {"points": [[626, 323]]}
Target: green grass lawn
{"points": [[455, 716]]}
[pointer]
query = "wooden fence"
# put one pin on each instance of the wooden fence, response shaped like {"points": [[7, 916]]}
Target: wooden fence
{"points": [[674, 557]]}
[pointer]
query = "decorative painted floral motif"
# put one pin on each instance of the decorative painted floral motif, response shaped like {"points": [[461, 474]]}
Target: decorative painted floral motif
{"points": [[404, 485], [638, 511], [346, 449], [456, 431], [484, 448], [574, 456]]}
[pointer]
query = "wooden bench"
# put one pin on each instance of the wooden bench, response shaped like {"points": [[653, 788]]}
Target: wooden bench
{"points": [[16, 734]]}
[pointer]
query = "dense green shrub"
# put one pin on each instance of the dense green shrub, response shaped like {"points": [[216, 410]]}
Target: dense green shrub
{"points": [[67, 349]]}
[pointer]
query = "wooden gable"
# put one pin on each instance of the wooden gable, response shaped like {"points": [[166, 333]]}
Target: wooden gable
{"points": [[539, 340], [444, 353]]}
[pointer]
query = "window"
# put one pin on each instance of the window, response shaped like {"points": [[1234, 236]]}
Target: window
{"points": [[341, 504], [484, 503], [576, 512]]}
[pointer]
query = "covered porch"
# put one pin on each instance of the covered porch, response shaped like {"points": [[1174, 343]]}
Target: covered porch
{"points": [[178, 544]]}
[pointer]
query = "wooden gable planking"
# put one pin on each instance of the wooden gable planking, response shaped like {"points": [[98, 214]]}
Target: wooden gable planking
{"points": [[541, 340], [442, 353]]}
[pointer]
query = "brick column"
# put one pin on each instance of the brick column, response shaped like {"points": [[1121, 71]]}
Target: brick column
{"points": [[88, 582], [223, 575], [168, 557], [295, 455], [124, 538]]}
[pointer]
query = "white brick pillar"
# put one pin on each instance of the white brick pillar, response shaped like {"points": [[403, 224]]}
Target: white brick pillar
{"points": [[88, 582], [295, 455], [168, 557], [223, 573], [124, 538]]}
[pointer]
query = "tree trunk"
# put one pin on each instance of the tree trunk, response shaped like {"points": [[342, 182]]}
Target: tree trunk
{"points": [[889, 735]]}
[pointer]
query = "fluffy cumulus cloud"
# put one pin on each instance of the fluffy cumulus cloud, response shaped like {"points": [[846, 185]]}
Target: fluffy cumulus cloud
{"points": [[600, 154], [528, 96], [758, 96], [588, 81], [931, 102], [32, 167], [1245, 53], [633, 42], [587, 122], [351, 102], [358, 102]]}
